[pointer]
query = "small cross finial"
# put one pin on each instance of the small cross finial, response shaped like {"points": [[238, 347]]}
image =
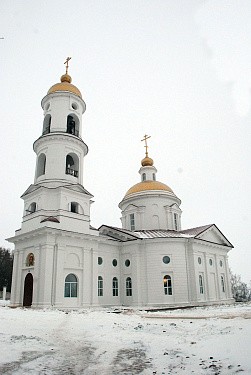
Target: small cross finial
{"points": [[67, 64], [145, 139]]}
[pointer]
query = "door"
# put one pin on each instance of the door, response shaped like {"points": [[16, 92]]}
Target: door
{"points": [[28, 290]]}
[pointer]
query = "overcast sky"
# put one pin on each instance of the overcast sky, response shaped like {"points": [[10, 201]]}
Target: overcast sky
{"points": [[179, 71]]}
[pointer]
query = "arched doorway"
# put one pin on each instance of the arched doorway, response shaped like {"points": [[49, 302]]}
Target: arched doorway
{"points": [[28, 290]]}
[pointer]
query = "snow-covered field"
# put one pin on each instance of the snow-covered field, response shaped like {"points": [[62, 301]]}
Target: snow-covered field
{"points": [[211, 340]]}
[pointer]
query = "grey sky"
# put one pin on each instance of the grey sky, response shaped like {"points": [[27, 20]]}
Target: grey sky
{"points": [[177, 70]]}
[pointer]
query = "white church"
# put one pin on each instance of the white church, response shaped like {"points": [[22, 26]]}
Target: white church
{"points": [[61, 261]]}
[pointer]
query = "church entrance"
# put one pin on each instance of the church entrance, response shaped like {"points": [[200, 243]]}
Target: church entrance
{"points": [[28, 290]]}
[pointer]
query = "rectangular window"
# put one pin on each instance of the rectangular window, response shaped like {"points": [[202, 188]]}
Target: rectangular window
{"points": [[132, 222], [175, 217], [100, 286], [223, 284], [115, 287], [201, 284]]}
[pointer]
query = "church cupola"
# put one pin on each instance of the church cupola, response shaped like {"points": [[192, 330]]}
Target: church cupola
{"points": [[63, 107], [150, 204], [147, 171]]}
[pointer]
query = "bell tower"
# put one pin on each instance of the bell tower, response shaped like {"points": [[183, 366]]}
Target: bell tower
{"points": [[57, 198], [55, 235]]}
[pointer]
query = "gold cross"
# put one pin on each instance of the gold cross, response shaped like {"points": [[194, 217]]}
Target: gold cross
{"points": [[145, 139], [67, 64]]}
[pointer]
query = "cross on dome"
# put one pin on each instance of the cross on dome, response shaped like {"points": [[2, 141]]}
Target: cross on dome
{"points": [[146, 137], [67, 64], [146, 161], [65, 82]]}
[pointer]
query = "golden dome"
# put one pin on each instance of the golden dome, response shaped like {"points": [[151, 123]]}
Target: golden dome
{"points": [[147, 162], [65, 85], [148, 185]]}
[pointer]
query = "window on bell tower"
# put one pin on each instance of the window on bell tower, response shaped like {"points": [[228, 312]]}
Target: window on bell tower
{"points": [[47, 124], [74, 207], [143, 177], [72, 125], [72, 165], [32, 208], [41, 163]]}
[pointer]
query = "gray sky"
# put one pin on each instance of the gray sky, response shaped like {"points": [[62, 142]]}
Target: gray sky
{"points": [[177, 70]]}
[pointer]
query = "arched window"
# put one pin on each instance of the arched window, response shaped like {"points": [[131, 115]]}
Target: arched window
{"points": [[41, 163], [100, 286], [71, 286], [32, 208], [143, 177], [168, 285], [115, 287], [30, 260], [154, 177], [222, 284], [201, 284], [74, 207], [47, 124], [128, 287], [72, 124], [72, 165]]}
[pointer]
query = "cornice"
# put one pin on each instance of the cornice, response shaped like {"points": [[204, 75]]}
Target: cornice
{"points": [[60, 136]]}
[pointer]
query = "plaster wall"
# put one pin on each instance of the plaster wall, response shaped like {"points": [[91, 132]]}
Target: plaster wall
{"points": [[151, 211]]}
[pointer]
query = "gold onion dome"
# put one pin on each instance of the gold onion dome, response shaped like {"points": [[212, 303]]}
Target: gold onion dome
{"points": [[148, 185], [65, 85], [147, 162]]}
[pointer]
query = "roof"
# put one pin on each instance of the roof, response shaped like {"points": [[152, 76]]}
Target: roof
{"points": [[127, 235], [65, 85], [187, 233], [148, 185], [76, 187]]}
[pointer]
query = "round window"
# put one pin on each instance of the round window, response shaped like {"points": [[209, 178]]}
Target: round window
{"points": [[74, 106], [166, 259], [100, 260], [199, 260], [114, 262], [127, 263], [210, 262], [221, 263]]}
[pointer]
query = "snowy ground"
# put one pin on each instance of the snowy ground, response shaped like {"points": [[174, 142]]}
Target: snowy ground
{"points": [[211, 340]]}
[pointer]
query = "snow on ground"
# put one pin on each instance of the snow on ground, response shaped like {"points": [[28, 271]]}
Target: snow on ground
{"points": [[210, 340]]}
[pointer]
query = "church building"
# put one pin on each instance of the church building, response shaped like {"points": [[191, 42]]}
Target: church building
{"points": [[61, 261]]}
